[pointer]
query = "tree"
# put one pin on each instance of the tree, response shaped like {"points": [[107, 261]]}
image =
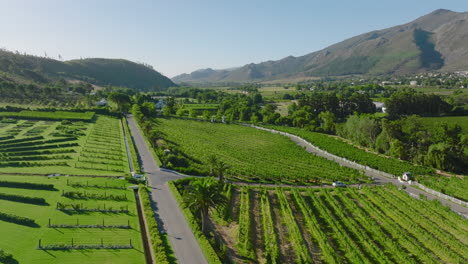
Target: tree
{"points": [[122, 100], [201, 195], [397, 149], [221, 168], [213, 163], [328, 119]]}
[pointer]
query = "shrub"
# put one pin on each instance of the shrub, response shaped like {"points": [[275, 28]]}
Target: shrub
{"points": [[23, 199], [18, 220]]}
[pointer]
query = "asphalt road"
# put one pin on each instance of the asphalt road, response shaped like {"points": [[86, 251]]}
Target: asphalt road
{"points": [[166, 209], [378, 177]]}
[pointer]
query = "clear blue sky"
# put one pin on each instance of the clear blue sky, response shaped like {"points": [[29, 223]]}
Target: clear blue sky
{"points": [[178, 36]]}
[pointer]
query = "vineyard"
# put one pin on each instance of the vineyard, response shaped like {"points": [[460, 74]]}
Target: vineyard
{"points": [[68, 230], [67, 147], [369, 225], [340, 148], [453, 186], [252, 155]]}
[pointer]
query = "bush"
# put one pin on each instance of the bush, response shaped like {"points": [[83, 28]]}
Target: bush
{"points": [[27, 185], [23, 199], [6, 258], [18, 220]]}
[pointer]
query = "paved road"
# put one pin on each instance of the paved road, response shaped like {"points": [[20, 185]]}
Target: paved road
{"points": [[166, 209], [378, 177]]}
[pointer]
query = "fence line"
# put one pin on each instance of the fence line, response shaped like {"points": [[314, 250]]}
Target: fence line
{"points": [[441, 195]]}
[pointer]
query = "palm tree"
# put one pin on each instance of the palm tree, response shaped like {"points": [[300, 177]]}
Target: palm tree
{"points": [[146, 126], [213, 163], [201, 195], [220, 168]]}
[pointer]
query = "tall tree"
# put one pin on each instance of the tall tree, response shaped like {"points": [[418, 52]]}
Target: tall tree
{"points": [[201, 195]]}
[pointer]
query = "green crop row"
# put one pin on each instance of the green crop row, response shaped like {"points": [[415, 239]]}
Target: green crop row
{"points": [[342, 149]]}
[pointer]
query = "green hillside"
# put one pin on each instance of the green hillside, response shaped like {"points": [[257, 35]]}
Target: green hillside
{"points": [[19, 68]]}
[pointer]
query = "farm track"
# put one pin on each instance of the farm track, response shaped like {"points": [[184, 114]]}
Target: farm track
{"points": [[379, 179]]}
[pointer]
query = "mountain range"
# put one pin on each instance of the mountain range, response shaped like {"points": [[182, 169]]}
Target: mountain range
{"points": [[22, 68], [436, 41]]}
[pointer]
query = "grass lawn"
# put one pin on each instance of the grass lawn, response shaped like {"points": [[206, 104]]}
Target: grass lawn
{"points": [[22, 241]]}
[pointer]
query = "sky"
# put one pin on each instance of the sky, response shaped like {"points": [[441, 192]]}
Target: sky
{"points": [[180, 36]]}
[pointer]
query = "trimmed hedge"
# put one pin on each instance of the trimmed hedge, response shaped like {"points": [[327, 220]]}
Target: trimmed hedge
{"points": [[208, 250], [55, 115], [157, 240], [18, 220], [23, 199], [36, 142], [21, 140], [6, 258], [66, 145], [27, 185], [133, 150]]}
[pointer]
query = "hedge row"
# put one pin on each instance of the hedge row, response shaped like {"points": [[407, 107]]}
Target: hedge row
{"points": [[6, 138], [27, 185], [23, 199], [21, 140], [18, 220], [56, 115], [157, 240], [6, 258], [133, 150], [36, 142], [66, 145], [208, 250], [32, 164], [31, 153]]}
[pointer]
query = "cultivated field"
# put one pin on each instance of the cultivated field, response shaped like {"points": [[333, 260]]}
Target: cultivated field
{"points": [[368, 225], [66, 147], [82, 211], [453, 186], [252, 155]]}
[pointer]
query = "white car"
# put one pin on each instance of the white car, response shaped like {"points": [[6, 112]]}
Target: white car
{"points": [[339, 184]]}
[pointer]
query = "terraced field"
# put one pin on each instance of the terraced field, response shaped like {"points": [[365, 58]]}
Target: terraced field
{"points": [[369, 225], [65, 211], [66, 147]]}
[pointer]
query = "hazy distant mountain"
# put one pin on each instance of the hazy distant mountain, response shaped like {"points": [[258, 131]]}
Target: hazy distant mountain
{"points": [[437, 41], [117, 72]]}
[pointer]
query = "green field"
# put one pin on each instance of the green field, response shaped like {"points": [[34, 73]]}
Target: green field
{"points": [[201, 106], [67, 147], [22, 241], [57, 115], [432, 122], [338, 147], [253, 155], [371, 225]]}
